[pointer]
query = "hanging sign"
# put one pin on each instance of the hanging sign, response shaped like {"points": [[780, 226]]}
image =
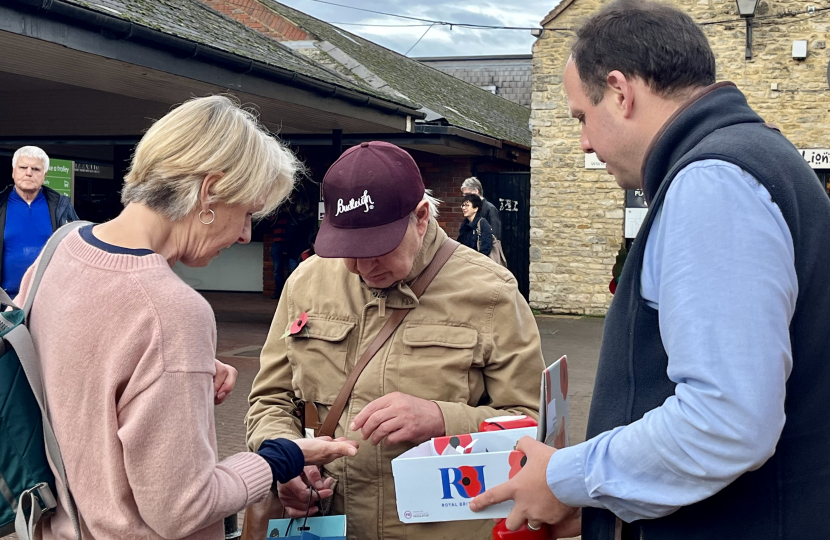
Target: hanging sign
{"points": [[61, 176]]}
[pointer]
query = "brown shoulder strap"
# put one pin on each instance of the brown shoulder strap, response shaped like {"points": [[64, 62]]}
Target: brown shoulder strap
{"points": [[418, 287]]}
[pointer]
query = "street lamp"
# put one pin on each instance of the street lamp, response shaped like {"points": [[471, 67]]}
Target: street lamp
{"points": [[746, 8]]}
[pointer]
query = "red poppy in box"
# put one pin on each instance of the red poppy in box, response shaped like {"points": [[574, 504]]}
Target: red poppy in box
{"points": [[441, 443], [516, 460]]}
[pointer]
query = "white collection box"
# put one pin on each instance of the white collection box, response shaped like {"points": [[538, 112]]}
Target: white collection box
{"points": [[436, 480]]}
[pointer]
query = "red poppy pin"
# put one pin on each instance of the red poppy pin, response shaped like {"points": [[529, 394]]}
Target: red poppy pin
{"points": [[297, 326]]}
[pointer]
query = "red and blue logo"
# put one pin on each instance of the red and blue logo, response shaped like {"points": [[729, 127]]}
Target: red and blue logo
{"points": [[468, 481]]}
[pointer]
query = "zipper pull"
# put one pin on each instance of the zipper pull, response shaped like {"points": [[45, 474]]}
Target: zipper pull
{"points": [[382, 306]]}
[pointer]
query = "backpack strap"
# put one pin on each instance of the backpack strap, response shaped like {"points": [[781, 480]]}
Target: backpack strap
{"points": [[20, 338], [418, 287], [6, 300], [45, 258]]}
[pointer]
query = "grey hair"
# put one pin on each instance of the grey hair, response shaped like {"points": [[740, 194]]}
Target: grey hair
{"points": [[31, 152], [473, 183], [433, 204]]}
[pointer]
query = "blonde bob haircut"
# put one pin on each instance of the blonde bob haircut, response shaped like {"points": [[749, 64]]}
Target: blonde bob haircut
{"points": [[204, 136]]}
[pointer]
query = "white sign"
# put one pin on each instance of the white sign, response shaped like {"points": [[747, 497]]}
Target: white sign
{"points": [[508, 205], [321, 211], [818, 158], [633, 220], [593, 162]]}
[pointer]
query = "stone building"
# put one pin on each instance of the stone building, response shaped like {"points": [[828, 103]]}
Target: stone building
{"points": [[507, 75], [578, 213]]}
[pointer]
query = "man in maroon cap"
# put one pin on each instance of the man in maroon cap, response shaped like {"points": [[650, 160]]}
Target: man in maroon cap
{"points": [[469, 350]]}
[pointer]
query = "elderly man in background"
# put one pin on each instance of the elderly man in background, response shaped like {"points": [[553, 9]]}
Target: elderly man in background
{"points": [[468, 350], [29, 214], [488, 211]]}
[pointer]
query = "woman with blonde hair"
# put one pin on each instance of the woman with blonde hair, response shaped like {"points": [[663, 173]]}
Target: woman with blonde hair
{"points": [[128, 349]]}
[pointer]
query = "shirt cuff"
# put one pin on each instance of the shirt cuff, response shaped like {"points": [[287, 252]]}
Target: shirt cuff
{"points": [[566, 476]]}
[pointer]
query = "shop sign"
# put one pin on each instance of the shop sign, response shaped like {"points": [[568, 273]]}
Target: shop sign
{"points": [[636, 209], [93, 170], [593, 162], [817, 158], [60, 176]]}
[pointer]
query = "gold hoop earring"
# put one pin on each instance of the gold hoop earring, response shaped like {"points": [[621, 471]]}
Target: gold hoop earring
{"points": [[212, 217]]}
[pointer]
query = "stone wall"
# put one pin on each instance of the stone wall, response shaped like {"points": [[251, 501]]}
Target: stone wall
{"points": [[577, 214]]}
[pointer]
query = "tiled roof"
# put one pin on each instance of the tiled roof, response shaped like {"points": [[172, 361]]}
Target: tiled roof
{"points": [[510, 77], [192, 21], [460, 103]]}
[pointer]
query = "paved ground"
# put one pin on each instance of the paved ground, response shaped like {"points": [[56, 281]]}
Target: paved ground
{"points": [[243, 321]]}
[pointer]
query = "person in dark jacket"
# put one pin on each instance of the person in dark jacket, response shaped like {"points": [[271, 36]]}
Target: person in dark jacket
{"points": [[475, 231], [29, 213], [488, 210], [709, 410]]}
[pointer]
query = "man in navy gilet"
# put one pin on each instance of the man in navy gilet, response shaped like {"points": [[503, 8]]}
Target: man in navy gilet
{"points": [[709, 418]]}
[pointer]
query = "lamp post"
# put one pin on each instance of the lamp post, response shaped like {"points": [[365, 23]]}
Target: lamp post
{"points": [[746, 8]]}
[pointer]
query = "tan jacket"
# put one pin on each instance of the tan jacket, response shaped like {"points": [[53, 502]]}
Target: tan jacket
{"points": [[471, 340]]}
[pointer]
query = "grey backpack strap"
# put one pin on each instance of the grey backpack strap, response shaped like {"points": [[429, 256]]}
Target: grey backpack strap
{"points": [[45, 257], [6, 300], [20, 338]]}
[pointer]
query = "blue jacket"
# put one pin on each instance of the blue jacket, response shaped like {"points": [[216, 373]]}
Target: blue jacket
{"points": [[60, 211]]}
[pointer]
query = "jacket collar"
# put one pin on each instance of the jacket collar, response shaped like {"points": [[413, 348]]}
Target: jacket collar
{"points": [[400, 295], [433, 239], [708, 110]]}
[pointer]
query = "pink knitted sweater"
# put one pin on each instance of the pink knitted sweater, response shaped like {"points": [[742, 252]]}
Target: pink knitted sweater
{"points": [[128, 361]]}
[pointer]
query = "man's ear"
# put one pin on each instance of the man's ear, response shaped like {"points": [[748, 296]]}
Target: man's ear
{"points": [[622, 93], [206, 197], [422, 217]]}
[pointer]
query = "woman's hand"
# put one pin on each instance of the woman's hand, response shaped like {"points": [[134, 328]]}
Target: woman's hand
{"points": [[323, 450], [223, 381]]}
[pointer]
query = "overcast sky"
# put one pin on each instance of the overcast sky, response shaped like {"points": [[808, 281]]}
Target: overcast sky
{"points": [[440, 40]]}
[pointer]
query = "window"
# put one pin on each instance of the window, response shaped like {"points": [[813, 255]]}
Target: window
{"points": [[824, 177]]}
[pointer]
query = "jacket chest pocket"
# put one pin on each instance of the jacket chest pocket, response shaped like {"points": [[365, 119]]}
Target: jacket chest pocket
{"points": [[318, 359], [436, 361]]}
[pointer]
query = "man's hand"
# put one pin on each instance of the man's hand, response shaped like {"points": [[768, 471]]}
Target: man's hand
{"points": [[223, 381], [294, 494], [324, 450], [534, 501], [398, 418]]}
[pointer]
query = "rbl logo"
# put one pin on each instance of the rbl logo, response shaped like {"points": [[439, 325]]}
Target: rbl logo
{"points": [[467, 481]]}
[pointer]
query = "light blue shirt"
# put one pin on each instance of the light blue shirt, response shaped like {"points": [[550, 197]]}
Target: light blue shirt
{"points": [[719, 266]]}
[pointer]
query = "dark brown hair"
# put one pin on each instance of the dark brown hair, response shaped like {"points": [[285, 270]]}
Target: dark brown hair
{"points": [[648, 40]]}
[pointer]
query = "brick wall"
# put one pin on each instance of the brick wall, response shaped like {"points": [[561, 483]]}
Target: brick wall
{"points": [[443, 175], [577, 214], [255, 16]]}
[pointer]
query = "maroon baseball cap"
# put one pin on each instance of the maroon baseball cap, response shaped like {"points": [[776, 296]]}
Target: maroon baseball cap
{"points": [[368, 194]]}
